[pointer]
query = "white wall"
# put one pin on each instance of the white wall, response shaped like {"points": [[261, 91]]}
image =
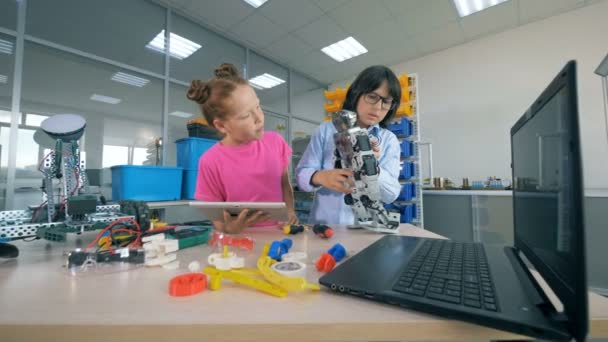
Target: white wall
{"points": [[470, 95]]}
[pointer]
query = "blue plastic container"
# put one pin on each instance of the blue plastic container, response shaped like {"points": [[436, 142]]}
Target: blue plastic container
{"points": [[407, 213], [402, 128], [408, 192], [146, 183], [189, 183], [408, 170], [407, 149], [190, 150]]}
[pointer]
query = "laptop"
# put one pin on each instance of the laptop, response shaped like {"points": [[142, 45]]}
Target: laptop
{"points": [[493, 285]]}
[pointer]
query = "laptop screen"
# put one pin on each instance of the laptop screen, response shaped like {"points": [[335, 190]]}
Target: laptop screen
{"points": [[547, 189]]}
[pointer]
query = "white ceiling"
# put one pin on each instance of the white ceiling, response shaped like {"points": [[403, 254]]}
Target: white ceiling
{"points": [[292, 32]]}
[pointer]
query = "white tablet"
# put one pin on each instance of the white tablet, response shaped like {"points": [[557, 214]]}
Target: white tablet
{"points": [[215, 210]]}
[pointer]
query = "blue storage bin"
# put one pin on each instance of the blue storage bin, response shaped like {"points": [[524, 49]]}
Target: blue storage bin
{"points": [[401, 128], [190, 150], [146, 183], [407, 149], [408, 192], [408, 170], [405, 194], [407, 214], [189, 183]]}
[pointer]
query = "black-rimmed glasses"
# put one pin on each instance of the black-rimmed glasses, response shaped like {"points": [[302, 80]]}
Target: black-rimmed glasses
{"points": [[373, 98]]}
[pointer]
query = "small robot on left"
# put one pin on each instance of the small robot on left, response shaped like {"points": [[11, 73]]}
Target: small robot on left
{"points": [[68, 206]]}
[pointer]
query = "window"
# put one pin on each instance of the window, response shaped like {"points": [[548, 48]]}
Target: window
{"points": [[34, 119], [301, 134], [6, 93], [180, 111], [115, 29], [214, 51], [270, 82], [140, 156], [115, 155], [307, 98], [133, 119], [277, 123], [8, 14]]}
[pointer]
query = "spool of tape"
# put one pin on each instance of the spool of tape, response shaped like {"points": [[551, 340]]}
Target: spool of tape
{"points": [[294, 256], [290, 268]]}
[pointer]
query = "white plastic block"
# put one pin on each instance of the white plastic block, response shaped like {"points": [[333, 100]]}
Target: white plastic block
{"points": [[168, 246], [155, 237], [172, 265], [161, 260]]}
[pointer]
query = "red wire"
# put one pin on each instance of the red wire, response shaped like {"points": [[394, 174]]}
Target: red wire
{"points": [[92, 243]]}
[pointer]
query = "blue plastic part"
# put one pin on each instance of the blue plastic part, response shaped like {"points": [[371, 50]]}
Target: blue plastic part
{"points": [[407, 149], [402, 128], [408, 192], [146, 183], [408, 170], [278, 248], [190, 150], [337, 251], [408, 213], [189, 183]]}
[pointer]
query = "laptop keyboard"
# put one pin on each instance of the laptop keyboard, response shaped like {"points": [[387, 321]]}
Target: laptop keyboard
{"points": [[453, 272]]}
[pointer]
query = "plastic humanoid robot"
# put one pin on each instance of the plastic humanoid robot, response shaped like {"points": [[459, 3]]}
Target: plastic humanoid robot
{"points": [[354, 152]]}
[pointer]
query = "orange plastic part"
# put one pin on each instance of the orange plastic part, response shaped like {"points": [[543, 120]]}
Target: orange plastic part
{"points": [[187, 284], [326, 263], [243, 243]]}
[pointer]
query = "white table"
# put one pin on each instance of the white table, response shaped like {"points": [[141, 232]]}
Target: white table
{"points": [[39, 301]]}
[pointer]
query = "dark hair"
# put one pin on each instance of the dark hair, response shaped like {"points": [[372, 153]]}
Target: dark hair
{"points": [[369, 80], [211, 95]]}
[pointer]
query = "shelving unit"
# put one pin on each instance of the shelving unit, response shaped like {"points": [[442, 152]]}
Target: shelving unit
{"points": [[407, 128], [410, 201]]}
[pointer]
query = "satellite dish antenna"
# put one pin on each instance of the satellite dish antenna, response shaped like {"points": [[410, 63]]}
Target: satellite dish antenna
{"points": [[64, 127], [43, 139]]}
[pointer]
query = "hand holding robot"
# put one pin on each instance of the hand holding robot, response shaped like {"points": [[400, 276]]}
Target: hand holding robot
{"points": [[357, 154]]}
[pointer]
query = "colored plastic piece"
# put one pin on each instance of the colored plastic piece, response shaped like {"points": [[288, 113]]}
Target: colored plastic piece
{"points": [[337, 251], [226, 261], [404, 81], [323, 231], [332, 107], [187, 284], [243, 243], [278, 248], [243, 278], [328, 260], [337, 94], [325, 263], [288, 283], [293, 229], [404, 109]]}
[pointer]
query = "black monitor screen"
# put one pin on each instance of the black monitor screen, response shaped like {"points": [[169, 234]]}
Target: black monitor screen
{"points": [[542, 187], [547, 188]]}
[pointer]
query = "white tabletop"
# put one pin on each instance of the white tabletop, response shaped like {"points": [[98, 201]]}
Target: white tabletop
{"points": [[39, 300]]}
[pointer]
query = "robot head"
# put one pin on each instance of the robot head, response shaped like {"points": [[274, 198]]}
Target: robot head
{"points": [[344, 120], [65, 127]]}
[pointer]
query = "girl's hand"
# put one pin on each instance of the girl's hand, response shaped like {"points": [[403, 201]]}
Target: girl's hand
{"points": [[245, 219], [376, 148], [292, 217], [336, 179]]}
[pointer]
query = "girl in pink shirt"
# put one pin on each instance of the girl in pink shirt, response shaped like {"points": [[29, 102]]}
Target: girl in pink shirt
{"points": [[248, 164]]}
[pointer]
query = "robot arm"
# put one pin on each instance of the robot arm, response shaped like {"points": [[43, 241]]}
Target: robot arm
{"points": [[354, 152]]}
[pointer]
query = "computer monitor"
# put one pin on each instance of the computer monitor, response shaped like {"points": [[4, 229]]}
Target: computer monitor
{"points": [[548, 194]]}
